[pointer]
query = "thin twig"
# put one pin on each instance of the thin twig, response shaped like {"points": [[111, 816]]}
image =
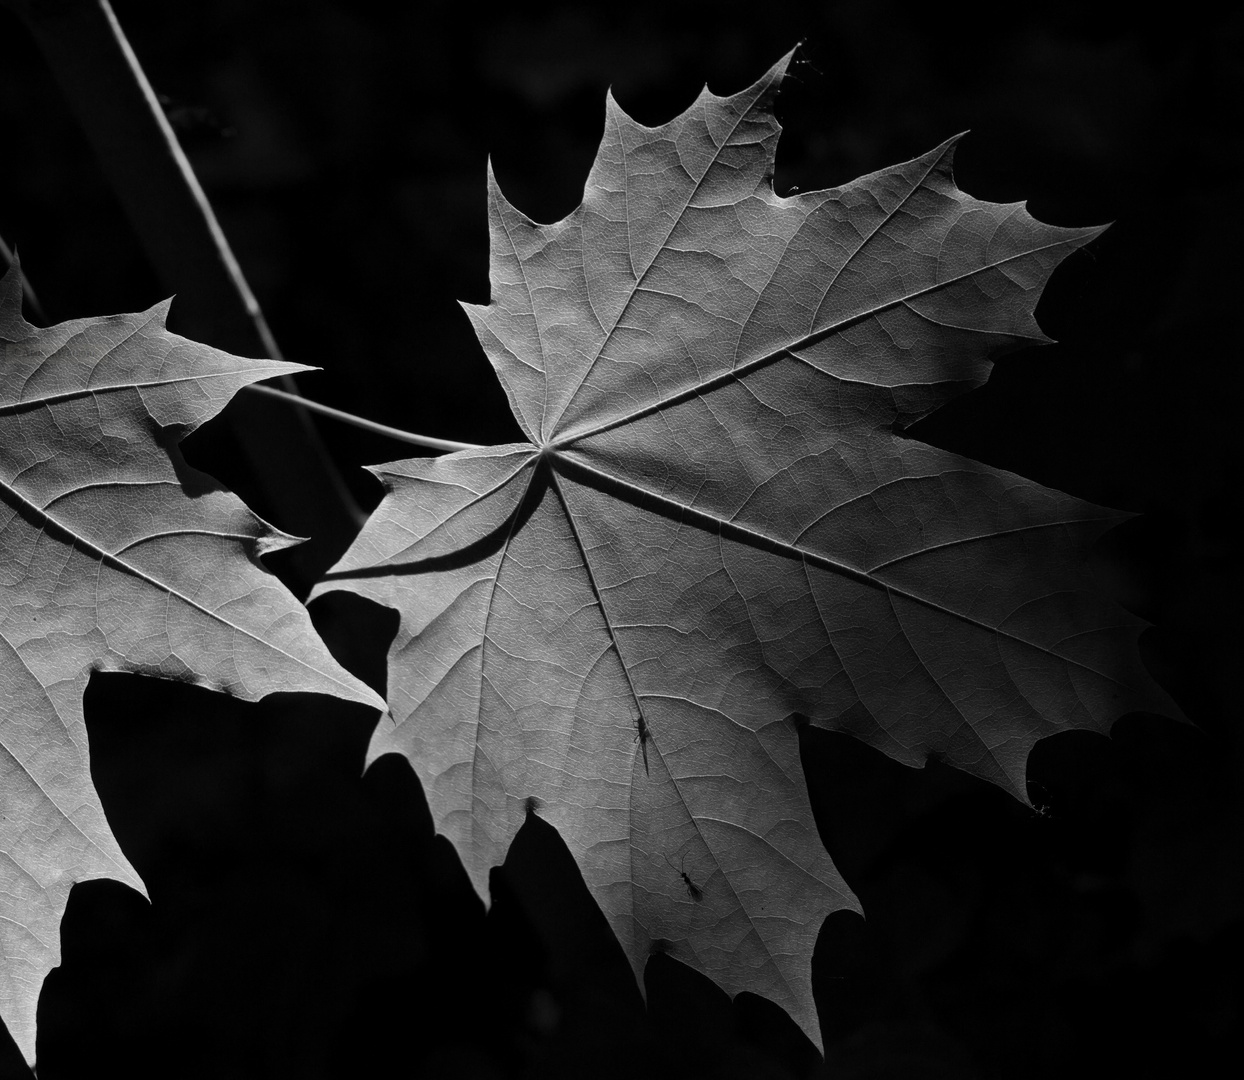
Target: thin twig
{"points": [[105, 86], [228, 260], [428, 441], [195, 189], [296, 400]]}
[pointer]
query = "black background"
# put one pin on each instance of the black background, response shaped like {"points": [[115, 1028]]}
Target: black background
{"points": [[306, 921]]}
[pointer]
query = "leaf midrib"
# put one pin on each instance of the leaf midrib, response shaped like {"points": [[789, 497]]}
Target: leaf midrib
{"points": [[743, 114], [117, 563], [757, 538], [636, 697], [736, 373], [27, 404]]}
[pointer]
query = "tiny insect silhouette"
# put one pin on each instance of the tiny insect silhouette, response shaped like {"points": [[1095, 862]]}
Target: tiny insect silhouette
{"points": [[693, 890], [641, 737]]}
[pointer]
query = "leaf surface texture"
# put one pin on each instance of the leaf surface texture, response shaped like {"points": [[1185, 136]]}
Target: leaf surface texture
{"points": [[115, 555], [716, 531]]}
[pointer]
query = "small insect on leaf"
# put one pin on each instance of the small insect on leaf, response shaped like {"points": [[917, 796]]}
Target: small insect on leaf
{"points": [[693, 890], [641, 737], [715, 521]]}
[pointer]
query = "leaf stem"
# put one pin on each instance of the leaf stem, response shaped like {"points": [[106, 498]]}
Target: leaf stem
{"points": [[104, 83], [298, 401], [228, 261]]}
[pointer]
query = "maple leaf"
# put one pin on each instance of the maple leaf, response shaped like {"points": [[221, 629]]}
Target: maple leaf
{"points": [[717, 531], [115, 555]]}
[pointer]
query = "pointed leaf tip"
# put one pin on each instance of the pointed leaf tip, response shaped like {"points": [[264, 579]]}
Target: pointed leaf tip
{"points": [[13, 325], [120, 560], [719, 527]]}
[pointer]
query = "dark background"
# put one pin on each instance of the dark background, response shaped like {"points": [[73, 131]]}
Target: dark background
{"points": [[305, 921]]}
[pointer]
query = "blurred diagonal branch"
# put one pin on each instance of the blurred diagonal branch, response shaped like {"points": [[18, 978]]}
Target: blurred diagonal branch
{"points": [[107, 90]]}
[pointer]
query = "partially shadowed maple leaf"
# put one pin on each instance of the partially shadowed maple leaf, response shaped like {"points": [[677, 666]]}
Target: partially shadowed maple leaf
{"points": [[717, 530], [115, 555]]}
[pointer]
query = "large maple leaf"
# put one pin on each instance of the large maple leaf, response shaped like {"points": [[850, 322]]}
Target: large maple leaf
{"points": [[114, 555], [717, 531]]}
